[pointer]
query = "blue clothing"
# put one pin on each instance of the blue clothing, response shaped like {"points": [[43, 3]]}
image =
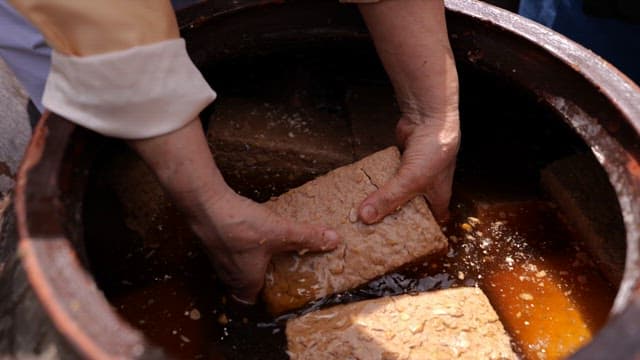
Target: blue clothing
{"points": [[616, 41], [24, 50]]}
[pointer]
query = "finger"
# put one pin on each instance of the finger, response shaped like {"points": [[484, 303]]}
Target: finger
{"points": [[439, 195], [246, 295], [392, 195], [293, 236], [243, 301], [244, 286], [439, 204]]}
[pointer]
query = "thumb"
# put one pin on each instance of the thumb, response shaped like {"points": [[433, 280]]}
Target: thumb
{"points": [[386, 200]]}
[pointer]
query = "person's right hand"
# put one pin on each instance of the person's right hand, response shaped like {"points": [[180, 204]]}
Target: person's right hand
{"points": [[412, 42], [428, 163], [241, 236]]}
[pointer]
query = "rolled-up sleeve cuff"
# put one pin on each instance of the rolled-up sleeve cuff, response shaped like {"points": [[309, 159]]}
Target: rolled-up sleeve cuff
{"points": [[138, 93]]}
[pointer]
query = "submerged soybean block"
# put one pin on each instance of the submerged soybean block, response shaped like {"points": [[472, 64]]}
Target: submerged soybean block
{"points": [[554, 326], [366, 251], [580, 187], [373, 116], [447, 324], [260, 145]]}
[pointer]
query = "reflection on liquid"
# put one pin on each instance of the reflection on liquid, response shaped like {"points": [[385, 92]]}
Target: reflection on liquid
{"points": [[546, 291], [504, 236]]}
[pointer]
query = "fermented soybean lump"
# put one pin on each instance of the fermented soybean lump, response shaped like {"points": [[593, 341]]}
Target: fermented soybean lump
{"points": [[456, 323], [367, 251]]}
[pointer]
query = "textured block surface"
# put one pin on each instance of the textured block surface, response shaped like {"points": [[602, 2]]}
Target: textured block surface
{"points": [[446, 324], [264, 147], [367, 251], [580, 187]]}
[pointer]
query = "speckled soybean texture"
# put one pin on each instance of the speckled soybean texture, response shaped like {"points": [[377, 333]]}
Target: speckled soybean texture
{"points": [[367, 251], [445, 324]]}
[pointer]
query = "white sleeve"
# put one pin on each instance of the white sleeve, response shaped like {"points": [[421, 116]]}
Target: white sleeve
{"points": [[137, 93]]}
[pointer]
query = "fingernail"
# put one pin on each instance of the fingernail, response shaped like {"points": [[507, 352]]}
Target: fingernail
{"points": [[242, 301], [330, 236], [368, 213]]}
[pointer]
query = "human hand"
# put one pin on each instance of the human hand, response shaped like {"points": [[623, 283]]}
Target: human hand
{"points": [[412, 42], [241, 236], [428, 164]]}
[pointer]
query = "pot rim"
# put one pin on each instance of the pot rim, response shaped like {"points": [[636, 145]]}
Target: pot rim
{"points": [[83, 315]]}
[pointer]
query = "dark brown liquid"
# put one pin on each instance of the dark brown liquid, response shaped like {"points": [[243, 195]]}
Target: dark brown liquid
{"points": [[549, 295]]}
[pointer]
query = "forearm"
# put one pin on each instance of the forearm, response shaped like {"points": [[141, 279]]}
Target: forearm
{"points": [[185, 167], [118, 67], [412, 42]]}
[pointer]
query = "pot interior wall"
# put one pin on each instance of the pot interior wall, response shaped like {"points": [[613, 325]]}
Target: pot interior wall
{"points": [[154, 272]]}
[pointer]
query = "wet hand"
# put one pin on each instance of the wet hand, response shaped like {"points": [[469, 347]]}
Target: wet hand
{"points": [[412, 41], [241, 236], [428, 164]]}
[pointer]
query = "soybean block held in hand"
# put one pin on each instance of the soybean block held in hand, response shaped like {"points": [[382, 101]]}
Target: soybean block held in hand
{"points": [[366, 251], [445, 324]]}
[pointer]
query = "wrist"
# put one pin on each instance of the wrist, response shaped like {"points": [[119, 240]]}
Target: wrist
{"points": [[429, 96], [442, 128]]}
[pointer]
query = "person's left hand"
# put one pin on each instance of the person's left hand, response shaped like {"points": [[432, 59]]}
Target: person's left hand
{"points": [[241, 236], [428, 164]]}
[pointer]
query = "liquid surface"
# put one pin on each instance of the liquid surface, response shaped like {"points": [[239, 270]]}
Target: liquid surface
{"points": [[504, 236], [548, 294]]}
